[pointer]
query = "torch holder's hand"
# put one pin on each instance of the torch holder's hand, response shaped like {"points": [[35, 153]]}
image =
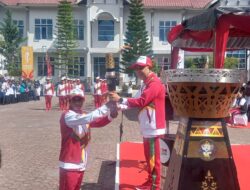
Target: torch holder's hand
{"points": [[113, 108]]}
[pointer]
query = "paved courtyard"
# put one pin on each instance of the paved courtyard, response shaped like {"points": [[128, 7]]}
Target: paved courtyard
{"points": [[30, 143]]}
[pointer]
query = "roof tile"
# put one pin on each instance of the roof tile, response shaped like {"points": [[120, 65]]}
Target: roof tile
{"points": [[34, 2], [176, 3], [147, 3]]}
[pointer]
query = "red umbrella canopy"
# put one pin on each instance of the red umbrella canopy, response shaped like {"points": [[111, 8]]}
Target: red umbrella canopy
{"points": [[218, 29]]}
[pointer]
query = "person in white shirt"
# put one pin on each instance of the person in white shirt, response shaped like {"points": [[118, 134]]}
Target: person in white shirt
{"points": [[48, 93], [61, 92], [75, 128]]}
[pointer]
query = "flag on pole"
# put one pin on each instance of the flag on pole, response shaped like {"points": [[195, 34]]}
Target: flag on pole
{"points": [[48, 63]]}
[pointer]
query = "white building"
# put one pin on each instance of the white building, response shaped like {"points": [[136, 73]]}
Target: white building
{"points": [[101, 25]]}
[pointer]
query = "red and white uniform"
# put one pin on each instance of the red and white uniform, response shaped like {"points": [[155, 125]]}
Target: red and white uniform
{"points": [[97, 94], [80, 86], [49, 89], [61, 92], [68, 89], [73, 154], [48, 92], [151, 99]]}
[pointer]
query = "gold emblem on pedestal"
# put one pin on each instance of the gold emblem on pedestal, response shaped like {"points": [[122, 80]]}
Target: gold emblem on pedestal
{"points": [[212, 131], [209, 183]]}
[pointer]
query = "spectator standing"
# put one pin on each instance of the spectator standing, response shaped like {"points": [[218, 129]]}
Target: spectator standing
{"points": [[37, 87]]}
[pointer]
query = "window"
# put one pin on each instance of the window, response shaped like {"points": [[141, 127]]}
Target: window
{"points": [[77, 69], [79, 29], [43, 29], [42, 66], [164, 63], [99, 66], [111, 1], [164, 28], [98, 1], [240, 55], [20, 26], [106, 30]]}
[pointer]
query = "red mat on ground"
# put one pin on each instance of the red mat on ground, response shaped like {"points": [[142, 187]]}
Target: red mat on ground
{"points": [[241, 126], [133, 173]]}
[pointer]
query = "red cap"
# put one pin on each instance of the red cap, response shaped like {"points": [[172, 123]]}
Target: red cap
{"points": [[142, 61]]}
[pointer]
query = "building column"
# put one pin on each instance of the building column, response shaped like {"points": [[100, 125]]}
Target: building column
{"points": [[121, 39], [88, 40]]}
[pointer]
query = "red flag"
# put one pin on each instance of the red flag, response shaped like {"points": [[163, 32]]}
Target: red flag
{"points": [[49, 67]]}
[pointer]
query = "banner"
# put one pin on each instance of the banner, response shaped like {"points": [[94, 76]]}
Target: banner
{"points": [[27, 62]]}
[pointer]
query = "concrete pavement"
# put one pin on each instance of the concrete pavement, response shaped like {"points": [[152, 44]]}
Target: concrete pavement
{"points": [[30, 144]]}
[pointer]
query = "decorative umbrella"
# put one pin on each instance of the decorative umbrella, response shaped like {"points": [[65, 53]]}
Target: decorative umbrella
{"points": [[217, 29]]}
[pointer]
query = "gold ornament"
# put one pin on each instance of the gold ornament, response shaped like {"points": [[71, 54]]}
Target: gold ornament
{"points": [[209, 182]]}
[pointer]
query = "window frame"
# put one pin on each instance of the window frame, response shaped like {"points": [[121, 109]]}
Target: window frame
{"points": [[42, 66], [20, 26], [240, 55], [103, 30], [43, 29], [79, 69], [78, 26], [164, 28]]}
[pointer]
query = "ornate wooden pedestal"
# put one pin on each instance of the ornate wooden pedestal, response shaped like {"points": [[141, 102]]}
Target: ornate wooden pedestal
{"points": [[202, 158]]}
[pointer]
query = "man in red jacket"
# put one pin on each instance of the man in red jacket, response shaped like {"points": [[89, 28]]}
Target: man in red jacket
{"points": [[151, 101], [75, 135]]}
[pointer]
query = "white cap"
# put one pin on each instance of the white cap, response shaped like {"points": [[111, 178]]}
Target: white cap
{"points": [[77, 92]]}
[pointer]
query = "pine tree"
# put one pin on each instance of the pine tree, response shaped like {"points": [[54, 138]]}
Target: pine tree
{"points": [[65, 42], [136, 38], [10, 45]]}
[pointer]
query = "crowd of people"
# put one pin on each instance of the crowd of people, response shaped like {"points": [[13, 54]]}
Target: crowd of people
{"points": [[14, 90], [66, 85], [100, 92], [76, 125], [62, 91]]}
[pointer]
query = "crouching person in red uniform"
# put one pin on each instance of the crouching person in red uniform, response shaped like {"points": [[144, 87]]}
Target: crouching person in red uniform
{"points": [[151, 101], [75, 136]]}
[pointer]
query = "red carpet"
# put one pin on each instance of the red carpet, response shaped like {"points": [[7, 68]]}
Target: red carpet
{"points": [[132, 165], [241, 126]]}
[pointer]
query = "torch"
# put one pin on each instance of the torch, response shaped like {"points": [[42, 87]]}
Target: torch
{"points": [[110, 72], [111, 82]]}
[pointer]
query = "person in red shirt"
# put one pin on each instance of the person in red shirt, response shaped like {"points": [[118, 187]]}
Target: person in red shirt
{"points": [[151, 101], [75, 128]]}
